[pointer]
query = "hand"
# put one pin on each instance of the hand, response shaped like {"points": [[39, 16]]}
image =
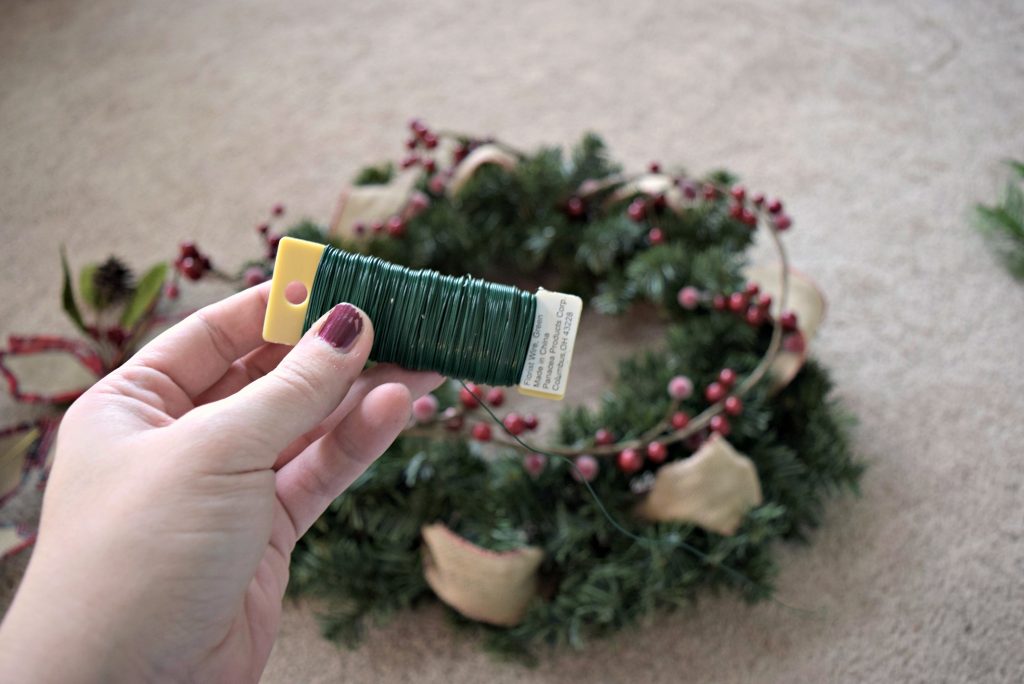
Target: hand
{"points": [[180, 486]]}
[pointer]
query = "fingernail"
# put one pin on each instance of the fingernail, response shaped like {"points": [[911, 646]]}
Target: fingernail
{"points": [[342, 327]]}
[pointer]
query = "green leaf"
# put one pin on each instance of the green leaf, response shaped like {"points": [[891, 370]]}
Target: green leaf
{"points": [[68, 295], [86, 286], [145, 296]]}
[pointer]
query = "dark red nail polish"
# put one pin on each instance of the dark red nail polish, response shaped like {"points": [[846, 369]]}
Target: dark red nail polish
{"points": [[342, 327]]}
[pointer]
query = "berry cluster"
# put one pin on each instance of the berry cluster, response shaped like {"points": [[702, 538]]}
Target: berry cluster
{"points": [[745, 209], [754, 307], [648, 208], [422, 139], [270, 238], [191, 263], [395, 226], [423, 151], [425, 412], [655, 450]]}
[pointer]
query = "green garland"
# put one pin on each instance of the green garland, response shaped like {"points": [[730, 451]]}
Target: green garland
{"points": [[363, 556]]}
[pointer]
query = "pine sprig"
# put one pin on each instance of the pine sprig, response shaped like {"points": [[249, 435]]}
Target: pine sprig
{"points": [[1003, 224]]}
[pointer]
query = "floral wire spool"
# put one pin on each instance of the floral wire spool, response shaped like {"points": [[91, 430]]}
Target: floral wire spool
{"points": [[461, 327]]}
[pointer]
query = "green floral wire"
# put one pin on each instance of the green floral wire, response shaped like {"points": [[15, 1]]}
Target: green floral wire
{"points": [[671, 540], [462, 327]]}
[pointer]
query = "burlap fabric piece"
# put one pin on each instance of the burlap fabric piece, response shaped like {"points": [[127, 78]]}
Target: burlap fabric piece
{"points": [[714, 489], [487, 586]]}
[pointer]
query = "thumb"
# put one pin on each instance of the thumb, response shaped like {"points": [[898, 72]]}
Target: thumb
{"points": [[306, 386]]}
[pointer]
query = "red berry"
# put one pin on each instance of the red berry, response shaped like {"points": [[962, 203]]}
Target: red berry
{"points": [[751, 289], [788, 320], [377, 227], [656, 236], [727, 377], [468, 396], [531, 422], [534, 463], [688, 297], [680, 420], [273, 241], [575, 207], [412, 143], [424, 409], [514, 423], [417, 126], [757, 198], [430, 140], [482, 432], [709, 191], [396, 226], [774, 205], [737, 302], [461, 152], [430, 165], [418, 202], [680, 387], [756, 316], [689, 189], [654, 167], [656, 452], [660, 202], [172, 291], [714, 392], [696, 440], [630, 461], [718, 302], [188, 249], [586, 468], [637, 210], [437, 184], [764, 302], [263, 228], [733, 406], [253, 276], [748, 218], [795, 342], [191, 268], [453, 420], [495, 396], [278, 209], [603, 437], [410, 161], [782, 222], [738, 192], [720, 424], [736, 211]]}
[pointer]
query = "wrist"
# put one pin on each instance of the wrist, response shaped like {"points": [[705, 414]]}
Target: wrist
{"points": [[49, 635]]}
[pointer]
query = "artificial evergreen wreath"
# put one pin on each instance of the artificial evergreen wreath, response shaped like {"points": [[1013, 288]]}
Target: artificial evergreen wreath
{"points": [[714, 445], [510, 538]]}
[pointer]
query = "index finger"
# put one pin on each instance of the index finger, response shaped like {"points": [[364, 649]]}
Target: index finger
{"points": [[195, 353]]}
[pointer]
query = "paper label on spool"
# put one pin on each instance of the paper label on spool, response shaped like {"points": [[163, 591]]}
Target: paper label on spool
{"points": [[546, 372]]}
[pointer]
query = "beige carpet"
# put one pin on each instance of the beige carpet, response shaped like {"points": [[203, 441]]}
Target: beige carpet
{"points": [[128, 126]]}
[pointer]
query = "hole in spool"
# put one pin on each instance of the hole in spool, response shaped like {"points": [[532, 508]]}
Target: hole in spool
{"points": [[295, 292]]}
